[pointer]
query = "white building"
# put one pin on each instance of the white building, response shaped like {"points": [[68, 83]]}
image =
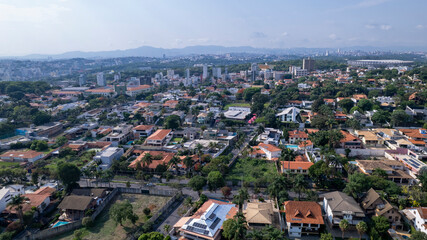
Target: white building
{"points": [[205, 71], [338, 206], [107, 156], [100, 79], [417, 217], [289, 115]]}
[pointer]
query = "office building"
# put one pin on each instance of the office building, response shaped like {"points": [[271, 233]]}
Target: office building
{"points": [[82, 80], [308, 64], [205, 71], [187, 73], [100, 79]]}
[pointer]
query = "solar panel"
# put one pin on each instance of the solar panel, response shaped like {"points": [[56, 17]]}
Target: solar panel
{"points": [[199, 225], [206, 232], [199, 230], [215, 223], [212, 216], [190, 228]]}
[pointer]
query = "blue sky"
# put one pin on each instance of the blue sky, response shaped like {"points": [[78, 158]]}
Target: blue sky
{"points": [[56, 26]]}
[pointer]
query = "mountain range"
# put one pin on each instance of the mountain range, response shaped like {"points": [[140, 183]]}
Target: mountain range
{"points": [[147, 51]]}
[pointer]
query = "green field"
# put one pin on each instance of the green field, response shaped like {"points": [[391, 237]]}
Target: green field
{"points": [[252, 170], [237, 105], [106, 228], [8, 164]]}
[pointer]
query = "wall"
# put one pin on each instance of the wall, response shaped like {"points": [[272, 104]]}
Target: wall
{"points": [[363, 152]]}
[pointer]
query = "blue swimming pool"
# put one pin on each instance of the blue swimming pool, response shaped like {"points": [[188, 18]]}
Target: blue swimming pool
{"points": [[292, 146], [59, 223]]}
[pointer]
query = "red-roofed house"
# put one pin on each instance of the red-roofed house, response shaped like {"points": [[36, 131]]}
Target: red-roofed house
{"points": [[170, 104], [297, 136], [142, 131], [295, 167], [303, 218], [350, 141], [21, 156], [159, 137], [268, 151], [133, 91], [157, 158]]}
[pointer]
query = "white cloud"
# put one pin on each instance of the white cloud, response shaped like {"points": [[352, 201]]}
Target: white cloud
{"points": [[370, 3], [419, 26], [370, 26], [385, 27], [11, 13], [285, 34], [333, 36]]}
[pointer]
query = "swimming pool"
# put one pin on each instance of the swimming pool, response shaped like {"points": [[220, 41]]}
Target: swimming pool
{"points": [[59, 223], [292, 146]]}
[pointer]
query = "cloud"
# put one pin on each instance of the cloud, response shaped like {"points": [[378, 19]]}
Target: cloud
{"points": [[11, 13], [285, 34], [258, 35], [333, 36], [419, 26], [385, 27], [370, 3]]}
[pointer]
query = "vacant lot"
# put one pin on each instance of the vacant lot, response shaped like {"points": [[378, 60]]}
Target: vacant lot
{"points": [[252, 170], [237, 105], [106, 228]]}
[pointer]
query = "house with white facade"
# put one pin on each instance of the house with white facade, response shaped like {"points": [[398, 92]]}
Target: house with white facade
{"points": [[338, 206], [303, 218], [290, 114], [107, 156]]}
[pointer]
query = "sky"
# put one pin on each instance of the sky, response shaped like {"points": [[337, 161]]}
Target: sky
{"points": [[57, 26]]}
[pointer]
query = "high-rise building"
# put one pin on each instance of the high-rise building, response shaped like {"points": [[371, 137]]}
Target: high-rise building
{"points": [[187, 73], [254, 71], [205, 71], [117, 77], [170, 73], [308, 64], [100, 79], [216, 72], [82, 80]]}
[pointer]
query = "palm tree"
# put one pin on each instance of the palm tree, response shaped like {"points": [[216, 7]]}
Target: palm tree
{"points": [[255, 235], [362, 228], [17, 202], [188, 161], [147, 159], [167, 228], [174, 162], [240, 198], [343, 226], [260, 129], [299, 184], [239, 226], [198, 149]]}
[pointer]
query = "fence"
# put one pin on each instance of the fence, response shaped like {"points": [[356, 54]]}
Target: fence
{"points": [[51, 232], [363, 152]]}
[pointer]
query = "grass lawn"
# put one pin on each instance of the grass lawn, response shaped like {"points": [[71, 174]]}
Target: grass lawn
{"points": [[237, 105], [252, 169], [178, 140], [8, 164], [106, 228]]}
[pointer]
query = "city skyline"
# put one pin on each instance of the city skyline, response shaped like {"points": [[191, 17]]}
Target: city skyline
{"points": [[54, 27]]}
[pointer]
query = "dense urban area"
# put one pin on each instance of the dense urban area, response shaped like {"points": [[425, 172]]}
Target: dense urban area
{"points": [[329, 145]]}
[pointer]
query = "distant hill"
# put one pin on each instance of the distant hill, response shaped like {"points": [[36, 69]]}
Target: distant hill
{"points": [[147, 51]]}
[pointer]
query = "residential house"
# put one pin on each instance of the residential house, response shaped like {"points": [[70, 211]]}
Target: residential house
{"points": [[21, 156], [290, 114], [350, 141], [295, 167], [259, 214], [188, 133], [142, 131], [270, 136], [338, 206], [303, 218], [237, 113], [267, 151], [373, 204], [207, 222], [120, 135], [369, 138], [157, 158], [417, 217], [135, 90], [107, 156], [159, 138], [395, 170], [297, 136], [73, 207]]}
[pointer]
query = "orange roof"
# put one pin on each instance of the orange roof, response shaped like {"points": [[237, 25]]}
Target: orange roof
{"points": [[142, 104], [301, 158], [170, 103], [208, 203], [160, 134], [360, 96], [303, 212], [100, 90], [165, 158], [21, 154], [413, 133], [293, 165], [305, 144], [140, 87], [348, 137], [312, 130], [35, 200], [45, 190], [143, 127], [297, 134], [417, 142], [328, 100], [269, 147]]}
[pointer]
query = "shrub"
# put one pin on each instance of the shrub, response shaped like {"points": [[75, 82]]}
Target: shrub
{"points": [[146, 211], [87, 222], [15, 226]]}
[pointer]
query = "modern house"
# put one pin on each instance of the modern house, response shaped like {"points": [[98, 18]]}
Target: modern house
{"points": [[107, 156], [267, 151], [338, 206], [290, 114], [159, 137], [297, 136], [395, 170], [417, 217], [259, 214], [303, 218], [207, 222], [142, 131]]}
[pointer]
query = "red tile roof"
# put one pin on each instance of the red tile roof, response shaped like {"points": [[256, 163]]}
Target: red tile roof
{"points": [[269, 147], [143, 127], [303, 212], [165, 158], [293, 165], [160, 134]]}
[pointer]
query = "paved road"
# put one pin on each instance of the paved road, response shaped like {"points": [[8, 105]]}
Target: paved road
{"points": [[172, 218]]}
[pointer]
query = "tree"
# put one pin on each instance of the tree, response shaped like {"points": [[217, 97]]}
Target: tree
{"points": [[146, 211], [235, 229], [172, 122], [326, 236], [167, 228], [422, 177], [418, 235], [365, 104], [380, 117], [122, 211], [152, 236], [343, 226], [381, 225], [346, 104], [399, 117], [299, 184], [357, 184], [279, 188], [35, 177], [226, 191], [69, 174], [197, 183], [362, 228], [215, 180], [17, 202], [41, 118], [240, 198]]}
